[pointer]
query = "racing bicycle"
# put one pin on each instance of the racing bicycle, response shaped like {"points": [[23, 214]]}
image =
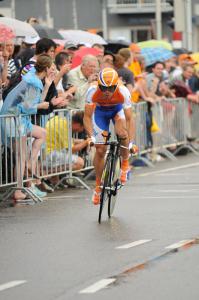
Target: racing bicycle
{"points": [[111, 176]]}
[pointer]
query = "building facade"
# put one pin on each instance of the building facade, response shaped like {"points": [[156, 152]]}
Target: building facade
{"points": [[129, 20]]}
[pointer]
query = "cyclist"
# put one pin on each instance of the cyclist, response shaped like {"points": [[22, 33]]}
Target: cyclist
{"points": [[105, 101]]}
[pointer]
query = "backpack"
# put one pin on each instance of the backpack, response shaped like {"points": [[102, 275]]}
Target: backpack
{"points": [[15, 80]]}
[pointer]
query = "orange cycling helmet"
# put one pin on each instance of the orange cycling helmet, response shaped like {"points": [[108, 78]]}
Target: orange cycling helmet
{"points": [[108, 77]]}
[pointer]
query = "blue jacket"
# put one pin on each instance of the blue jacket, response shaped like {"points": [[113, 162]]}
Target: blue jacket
{"points": [[25, 97]]}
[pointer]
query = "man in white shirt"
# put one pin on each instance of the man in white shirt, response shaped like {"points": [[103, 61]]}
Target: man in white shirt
{"points": [[82, 77]]}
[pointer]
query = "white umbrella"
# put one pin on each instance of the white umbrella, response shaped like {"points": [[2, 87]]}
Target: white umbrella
{"points": [[82, 37], [20, 28]]}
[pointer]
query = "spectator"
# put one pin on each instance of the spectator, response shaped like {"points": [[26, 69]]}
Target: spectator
{"points": [[168, 68], [70, 48], [137, 67], [43, 46], [12, 67], [156, 85], [57, 143], [63, 64], [181, 84], [194, 81], [124, 73], [134, 66], [99, 47], [26, 98], [183, 59], [32, 21], [47, 46], [186, 75], [29, 42], [107, 60], [82, 77], [24, 56], [4, 55]]}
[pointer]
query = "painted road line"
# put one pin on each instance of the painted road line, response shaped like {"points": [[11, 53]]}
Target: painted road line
{"points": [[133, 244], [171, 174], [167, 197], [169, 169], [139, 267], [178, 191], [11, 284], [61, 197], [180, 244], [101, 284]]}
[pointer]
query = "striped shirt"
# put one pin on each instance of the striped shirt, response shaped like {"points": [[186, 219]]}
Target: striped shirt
{"points": [[12, 69]]}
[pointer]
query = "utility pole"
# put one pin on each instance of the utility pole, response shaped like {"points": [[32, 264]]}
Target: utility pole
{"points": [[179, 34], [104, 19], [13, 9], [49, 20], [158, 17], [188, 21], [183, 22], [75, 20]]}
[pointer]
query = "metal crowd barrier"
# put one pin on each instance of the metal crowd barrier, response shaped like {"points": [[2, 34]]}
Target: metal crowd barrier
{"points": [[140, 111], [13, 151], [139, 115], [174, 120], [169, 117], [53, 159], [171, 122], [56, 160], [193, 124], [8, 128]]}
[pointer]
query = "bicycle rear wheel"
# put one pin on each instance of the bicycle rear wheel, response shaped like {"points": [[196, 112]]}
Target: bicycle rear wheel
{"points": [[106, 192], [115, 182]]}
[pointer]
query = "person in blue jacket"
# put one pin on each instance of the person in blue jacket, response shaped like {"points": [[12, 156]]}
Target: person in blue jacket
{"points": [[24, 100]]}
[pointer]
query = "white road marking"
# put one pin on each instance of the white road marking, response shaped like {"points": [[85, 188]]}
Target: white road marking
{"points": [[133, 244], [11, 284], [101, 284], [171, 174], [60, 197], [169, 169], [166, 197], [179, 244], [178, 191]]}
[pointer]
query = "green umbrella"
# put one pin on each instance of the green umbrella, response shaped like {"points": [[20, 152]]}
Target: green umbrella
{"points": [[154, 44]]}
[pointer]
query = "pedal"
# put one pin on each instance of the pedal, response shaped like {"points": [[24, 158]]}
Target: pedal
{"points": [[119, 186]]}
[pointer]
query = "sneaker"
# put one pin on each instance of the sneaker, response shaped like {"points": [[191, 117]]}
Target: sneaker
{"points": [[37, 191], [61, 185], [45, 187], [96, 196]]}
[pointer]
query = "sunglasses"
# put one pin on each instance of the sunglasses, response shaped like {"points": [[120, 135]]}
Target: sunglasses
{"points": [[111, 88]]}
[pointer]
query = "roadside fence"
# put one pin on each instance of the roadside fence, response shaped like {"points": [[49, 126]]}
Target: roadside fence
{"points": [[162, 128]]}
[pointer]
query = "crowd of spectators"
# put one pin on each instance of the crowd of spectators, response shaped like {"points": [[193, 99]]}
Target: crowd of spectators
{"points": [[40, 78]]}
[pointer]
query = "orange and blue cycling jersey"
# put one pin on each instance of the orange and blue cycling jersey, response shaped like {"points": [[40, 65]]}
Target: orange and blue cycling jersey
{"points": [[107, 109]]}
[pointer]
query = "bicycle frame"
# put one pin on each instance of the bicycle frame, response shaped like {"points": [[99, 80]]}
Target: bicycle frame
{"points": [[110, 185]]}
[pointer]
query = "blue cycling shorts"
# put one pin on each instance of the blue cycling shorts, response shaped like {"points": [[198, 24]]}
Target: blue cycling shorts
{"points": [[102, 117]]}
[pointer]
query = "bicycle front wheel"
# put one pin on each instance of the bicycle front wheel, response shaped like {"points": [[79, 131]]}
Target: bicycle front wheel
{"points": [[106, 188], [115, 182]]}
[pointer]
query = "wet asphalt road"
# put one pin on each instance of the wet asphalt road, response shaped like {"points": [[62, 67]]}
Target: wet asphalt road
{"points": [[56, 250]]}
